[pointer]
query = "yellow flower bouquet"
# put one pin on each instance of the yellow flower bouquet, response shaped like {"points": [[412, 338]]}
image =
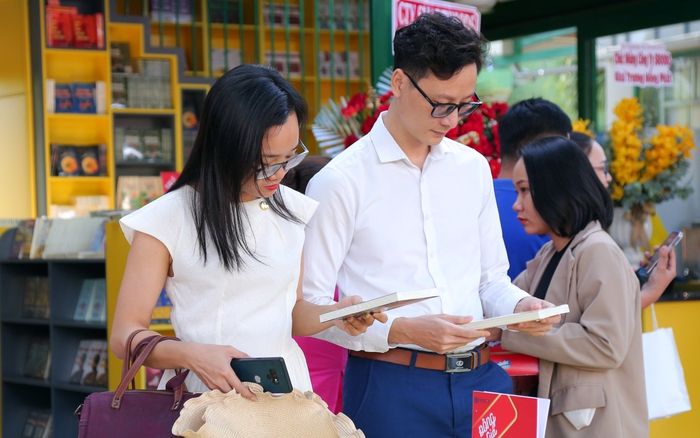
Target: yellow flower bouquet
{"points": [[646, 171]]}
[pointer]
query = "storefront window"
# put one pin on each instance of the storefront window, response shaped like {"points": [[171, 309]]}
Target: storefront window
{"points": [[539, 65]]}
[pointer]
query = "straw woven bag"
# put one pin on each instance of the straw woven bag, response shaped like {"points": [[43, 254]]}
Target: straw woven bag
{"points": [[293, 415]]}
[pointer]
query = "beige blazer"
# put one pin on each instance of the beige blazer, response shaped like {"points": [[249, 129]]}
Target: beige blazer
{"points": [[593, 358]]}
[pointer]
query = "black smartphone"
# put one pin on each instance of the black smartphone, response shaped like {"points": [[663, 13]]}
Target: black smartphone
{"points": [[671, 241], [268, 372]]}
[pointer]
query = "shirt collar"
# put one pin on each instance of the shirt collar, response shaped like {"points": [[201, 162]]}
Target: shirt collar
{"points": [[388, 150]]}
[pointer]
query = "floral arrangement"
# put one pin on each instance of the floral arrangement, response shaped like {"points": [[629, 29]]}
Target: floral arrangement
{"points": [[480, 131], [646, 170], [336, 127]]}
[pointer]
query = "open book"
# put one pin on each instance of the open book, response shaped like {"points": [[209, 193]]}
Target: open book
{"points": [[380, 304], [515, 318]]}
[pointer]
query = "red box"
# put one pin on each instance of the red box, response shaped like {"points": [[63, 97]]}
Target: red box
{"points": [[496, 415]]}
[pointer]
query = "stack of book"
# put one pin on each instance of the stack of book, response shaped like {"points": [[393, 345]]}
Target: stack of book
{"points": [[37, 424], [47, 238], [148, 145], [72, 160], [147, 87], [133, 192]]}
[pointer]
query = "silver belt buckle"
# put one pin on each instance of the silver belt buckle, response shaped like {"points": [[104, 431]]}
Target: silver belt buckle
{"points": [[461, 362]]}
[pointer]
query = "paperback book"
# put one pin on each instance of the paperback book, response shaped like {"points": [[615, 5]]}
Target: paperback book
{"points": [[381, 304]]}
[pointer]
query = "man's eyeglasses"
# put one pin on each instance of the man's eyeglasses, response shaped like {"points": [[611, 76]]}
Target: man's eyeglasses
{"points": [[441, 110], [271, 169]]}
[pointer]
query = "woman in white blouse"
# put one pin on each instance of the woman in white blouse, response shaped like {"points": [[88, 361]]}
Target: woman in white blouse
{"points": [[226, 242]]}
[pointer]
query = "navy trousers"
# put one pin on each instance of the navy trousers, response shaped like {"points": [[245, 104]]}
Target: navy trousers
{"points": [[388, 400]]}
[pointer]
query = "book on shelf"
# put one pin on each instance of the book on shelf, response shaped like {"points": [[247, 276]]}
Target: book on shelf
{"points": [[50, 96], [168, 177], [381, 304], [170, 11], [37, 363], [92, 360], [35, 301], [508, 416], [133, 192], [66, 27], [68, 237], [21, 245], [76, 374], [42, 227], [120, 57], [161, 313], [83, 97], [64, 98], [37, 424], [101, 376], [152, 145], [91, 304], [98, 304], [76, 97]]}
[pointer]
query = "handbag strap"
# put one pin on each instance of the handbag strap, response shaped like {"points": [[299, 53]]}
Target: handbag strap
{"points": [[128, 355], [654, 322], [141, 352]]}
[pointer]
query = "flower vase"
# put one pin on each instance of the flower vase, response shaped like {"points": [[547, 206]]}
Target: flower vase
{"points": [[631, 232]]}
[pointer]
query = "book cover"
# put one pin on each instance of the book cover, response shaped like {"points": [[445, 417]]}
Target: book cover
{"points": [[64, 160], [41, 298], [91, 361], [89, 159], [152, 146], [59, 25], [515, 318], [50, 96], [98, 305], [64, 98], [84, 303], [37, 359], [386, 302], [508, 416], [28, 297], [21, 246], [169, 177], [76, 373], [119, 93], [37, 424], [101, 377], [84, 31], [83, 97], [42, 227], [120, 57], [132, 148]]}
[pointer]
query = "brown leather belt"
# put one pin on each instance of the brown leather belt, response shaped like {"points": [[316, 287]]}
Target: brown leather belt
{"points": [[449, 363]]}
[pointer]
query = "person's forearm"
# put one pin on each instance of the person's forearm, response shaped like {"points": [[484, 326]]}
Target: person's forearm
{"points": [[166, 354], [305, 318]]}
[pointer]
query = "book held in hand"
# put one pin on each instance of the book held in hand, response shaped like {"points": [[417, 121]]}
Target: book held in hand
{"points": [[515, 318], [508, 416], [381, 304]]}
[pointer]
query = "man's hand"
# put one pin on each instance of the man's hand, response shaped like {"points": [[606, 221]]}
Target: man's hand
{"points": [[534, 328], [438, 333], [355, 325]]}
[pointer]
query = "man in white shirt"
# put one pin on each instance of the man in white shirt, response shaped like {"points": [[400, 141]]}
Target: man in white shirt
{"points": [[406, 209]]}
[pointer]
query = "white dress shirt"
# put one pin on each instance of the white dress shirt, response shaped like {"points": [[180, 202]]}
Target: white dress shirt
{"points": [[385, 226]]}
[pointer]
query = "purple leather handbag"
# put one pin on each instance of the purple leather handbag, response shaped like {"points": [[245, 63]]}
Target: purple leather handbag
{"points": [[134, 413]]}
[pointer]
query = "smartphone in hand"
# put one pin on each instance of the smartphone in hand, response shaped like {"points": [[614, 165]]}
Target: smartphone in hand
{"points": [[268, 372], [671, 241]]}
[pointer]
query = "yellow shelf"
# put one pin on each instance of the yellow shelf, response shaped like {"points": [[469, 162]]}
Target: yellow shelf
{"points": [[77, 116], [62, 51], [143, 111], [79, 179], [160, 328]]}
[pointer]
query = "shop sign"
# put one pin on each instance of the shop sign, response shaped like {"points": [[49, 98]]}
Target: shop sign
{"points": [[643, 65], [404, 12]]}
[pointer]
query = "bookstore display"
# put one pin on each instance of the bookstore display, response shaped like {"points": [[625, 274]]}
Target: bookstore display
{"points": [[44, 237], [67, 26]]}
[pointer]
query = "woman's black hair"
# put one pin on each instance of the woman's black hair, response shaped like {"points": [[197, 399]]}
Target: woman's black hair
{"points": [[565, 190], [439, 44], [582, 140], [239, 110]]}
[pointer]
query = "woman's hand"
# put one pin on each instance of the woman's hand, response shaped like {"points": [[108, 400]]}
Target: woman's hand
{"points": [[212, 364], [354, 325], [660, 277], [534, 328]]}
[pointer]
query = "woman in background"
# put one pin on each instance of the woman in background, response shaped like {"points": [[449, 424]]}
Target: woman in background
{"points": [[665, 270], [591, 364]]}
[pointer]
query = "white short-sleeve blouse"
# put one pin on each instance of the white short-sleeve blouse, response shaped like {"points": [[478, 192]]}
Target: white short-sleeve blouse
{"points": [[249, 309]]}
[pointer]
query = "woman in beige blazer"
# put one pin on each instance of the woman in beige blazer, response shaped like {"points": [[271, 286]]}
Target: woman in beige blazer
{"points": [[591, 364]]}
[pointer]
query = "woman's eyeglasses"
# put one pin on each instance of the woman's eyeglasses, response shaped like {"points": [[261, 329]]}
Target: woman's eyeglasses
{"points": [[271, 169], [441, 110], [605, 168]]}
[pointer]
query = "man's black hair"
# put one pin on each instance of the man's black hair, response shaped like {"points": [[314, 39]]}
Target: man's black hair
{"points": [[438, 44]]}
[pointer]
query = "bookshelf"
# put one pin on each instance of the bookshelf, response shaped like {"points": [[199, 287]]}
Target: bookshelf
{"points": [[22, 394]]}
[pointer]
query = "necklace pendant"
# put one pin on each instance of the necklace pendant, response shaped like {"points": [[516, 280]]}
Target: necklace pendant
{"points": [[264, 205]]}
